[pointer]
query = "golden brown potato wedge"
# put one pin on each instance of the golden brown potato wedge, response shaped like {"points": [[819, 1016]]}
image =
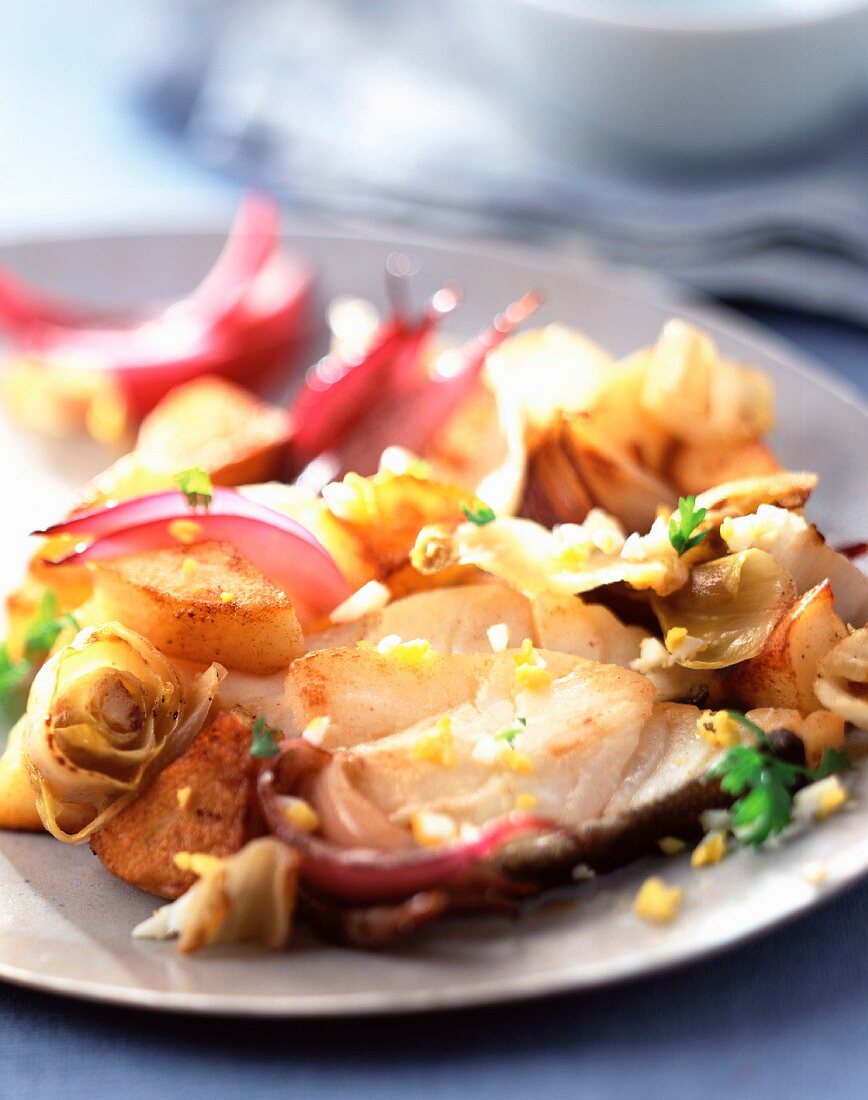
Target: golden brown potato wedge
{"points": [[17, 797], [203, 802], [783, 673], [209, 422], [694, 468], [818, 730], [219, 608], [218, 425]]}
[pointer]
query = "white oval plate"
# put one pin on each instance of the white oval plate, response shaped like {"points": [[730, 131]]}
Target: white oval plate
{"points": [[65, 922]]}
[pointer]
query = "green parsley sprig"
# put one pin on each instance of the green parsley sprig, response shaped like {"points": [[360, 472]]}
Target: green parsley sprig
{"points": [[39, 636], [765, 783], [265, 740], [479, 513], [683, 523], [196, 486], [511, 732]]}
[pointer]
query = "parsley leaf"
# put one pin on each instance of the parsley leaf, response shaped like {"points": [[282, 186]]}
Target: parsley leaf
{"points": [[832, 761], [13, 676], [43, 631], [265, 740], [765, 783], [511, 732], [479, 513], [683, 523], [196, 486], [39, 636]]}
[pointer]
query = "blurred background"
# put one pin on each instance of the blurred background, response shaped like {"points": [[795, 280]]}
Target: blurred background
{"points": [[722, 142]]}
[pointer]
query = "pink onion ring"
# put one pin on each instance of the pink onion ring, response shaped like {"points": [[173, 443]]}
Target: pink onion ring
{"points": [[368, 875]]}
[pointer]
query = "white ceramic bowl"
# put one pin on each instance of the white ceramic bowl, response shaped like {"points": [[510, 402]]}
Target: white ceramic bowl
{"points": [[691, 78]]}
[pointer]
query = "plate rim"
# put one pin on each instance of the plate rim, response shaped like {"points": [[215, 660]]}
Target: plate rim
{"points": [[625, 280]]}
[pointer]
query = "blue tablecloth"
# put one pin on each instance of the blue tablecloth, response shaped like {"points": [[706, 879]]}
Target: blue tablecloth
{"points": [[784, 1016]]}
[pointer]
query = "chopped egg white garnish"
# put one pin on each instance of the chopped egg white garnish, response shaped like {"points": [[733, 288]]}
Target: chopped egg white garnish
{"points": [[498, 637], [818, 800], [371, 597], [431, 828], [314, 732]]}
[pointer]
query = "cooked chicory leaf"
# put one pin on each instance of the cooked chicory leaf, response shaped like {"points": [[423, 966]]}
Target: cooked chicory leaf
{"points": [[730, 606]]}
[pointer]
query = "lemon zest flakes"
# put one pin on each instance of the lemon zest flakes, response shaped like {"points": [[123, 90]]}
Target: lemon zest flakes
{"points": [[531, 671], [188, 567], [719, 729], [227, 597], [656, 902], [526, 801], [710, 850], [186, 531], [437, 746]]}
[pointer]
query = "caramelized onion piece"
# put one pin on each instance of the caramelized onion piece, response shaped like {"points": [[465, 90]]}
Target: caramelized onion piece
{"points": [[105, 714], [730, 606]]}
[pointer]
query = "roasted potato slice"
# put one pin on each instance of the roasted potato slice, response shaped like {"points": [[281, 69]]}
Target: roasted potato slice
{"points": [[208, 422], [693, 468], [203, 802], [17, 797], [782, 674], [201, 603]]}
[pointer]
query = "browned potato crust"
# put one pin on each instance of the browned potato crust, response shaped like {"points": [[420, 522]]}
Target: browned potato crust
{"points": [[783, 673], [187, 612], [218, 425], [217, 817]]}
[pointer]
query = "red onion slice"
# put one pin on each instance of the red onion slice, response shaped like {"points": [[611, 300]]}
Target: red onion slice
{"points": [[284, 551], [367, 875]]}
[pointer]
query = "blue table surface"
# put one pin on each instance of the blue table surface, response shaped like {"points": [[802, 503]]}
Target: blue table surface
{"points": [[786, 1015]]}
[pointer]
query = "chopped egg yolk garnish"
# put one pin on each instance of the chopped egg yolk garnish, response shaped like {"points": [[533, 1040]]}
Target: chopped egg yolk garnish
{"points": [[186, 531], [198, 862], [516, 761], [353, 499], [526, 802], [299, 814], [819, 800], [574, 555], [671, 845], [437, 746], [531, 671], [711, 849], [657, 902], [719, 729], [409, 654], [831, 800], [432, 829], [675, 636], [316, 729], [227, 597], [184, 794], [188, 567]]}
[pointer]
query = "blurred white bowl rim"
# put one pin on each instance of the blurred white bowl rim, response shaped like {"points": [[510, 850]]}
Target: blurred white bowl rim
{"points": [[681, 80]]}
